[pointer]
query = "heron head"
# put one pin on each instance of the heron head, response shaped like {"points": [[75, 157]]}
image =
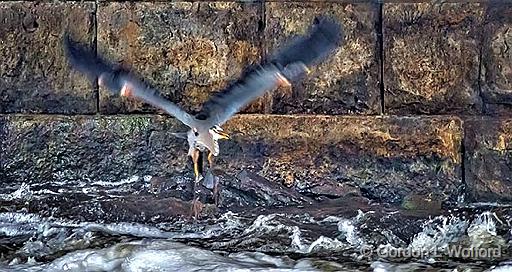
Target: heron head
{"points": [[218, 133], [203, 139]]}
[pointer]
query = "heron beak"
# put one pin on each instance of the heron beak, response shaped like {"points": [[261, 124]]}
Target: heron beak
{"points": [[223, 135]]}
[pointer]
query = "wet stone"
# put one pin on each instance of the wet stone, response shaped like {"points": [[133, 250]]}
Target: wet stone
{"points": [[431, 53], [139, 208], [489, 159], [34, 74], [383, 159], [347, 82], [58, 150], [3, 134], [270, 160], [496, 74], [267, 192], [187, 50]]}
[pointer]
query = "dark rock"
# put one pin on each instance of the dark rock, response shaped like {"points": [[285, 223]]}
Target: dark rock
{"points": [[187, 50], [34, 74], [422, 203], [345, 83], [333, 189], [488, 159], [141, 209], [431, 52], [267, 192], [496, 74]]}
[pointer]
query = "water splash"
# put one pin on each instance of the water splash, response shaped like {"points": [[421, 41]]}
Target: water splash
{"points": [[482, 231], [438, 233], [22, 193]]}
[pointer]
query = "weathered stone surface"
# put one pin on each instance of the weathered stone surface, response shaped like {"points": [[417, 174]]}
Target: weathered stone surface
{"points": [[431, 57], [496, 74], [383, 158], [489, 159], [133, 208], [34, 74], [58, 149], [345, 83], [188, 50]]}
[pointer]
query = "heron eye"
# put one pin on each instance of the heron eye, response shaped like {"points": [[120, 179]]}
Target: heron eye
{"points": [[196, 133]]}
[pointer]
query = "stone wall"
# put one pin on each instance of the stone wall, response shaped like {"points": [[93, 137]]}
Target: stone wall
{"points": [[417, 102]]}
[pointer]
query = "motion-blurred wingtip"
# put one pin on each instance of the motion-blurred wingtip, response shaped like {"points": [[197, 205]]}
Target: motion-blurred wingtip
{"points": [[331, 29], [72, 50]]}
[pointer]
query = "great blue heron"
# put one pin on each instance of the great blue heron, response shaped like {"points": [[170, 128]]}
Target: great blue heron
{"points": [[286, 66]]}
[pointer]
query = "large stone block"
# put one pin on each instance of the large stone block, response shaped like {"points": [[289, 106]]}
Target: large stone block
{"points": [[188, 50], [345, 83], [431, 57], [34, 74], [496, 74], [63, 149], [488, 159], [383, 158]]}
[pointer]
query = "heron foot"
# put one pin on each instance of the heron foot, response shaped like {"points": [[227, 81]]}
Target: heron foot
{"points": [[196, 208], [199, 177]]}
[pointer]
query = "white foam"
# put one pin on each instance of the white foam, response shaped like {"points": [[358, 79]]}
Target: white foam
{"points": [[23, 192], [129, 180], [157, 255]]}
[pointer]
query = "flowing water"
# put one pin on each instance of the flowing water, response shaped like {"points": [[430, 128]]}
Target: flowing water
{"points": [[94, 226]]}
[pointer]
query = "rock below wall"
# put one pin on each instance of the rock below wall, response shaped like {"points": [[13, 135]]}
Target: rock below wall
{"points": [[386, 159], [489, 159]]}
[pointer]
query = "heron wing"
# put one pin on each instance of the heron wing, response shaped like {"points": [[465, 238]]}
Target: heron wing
{"points": [[223, 105], [289, 63], [94, 67]]}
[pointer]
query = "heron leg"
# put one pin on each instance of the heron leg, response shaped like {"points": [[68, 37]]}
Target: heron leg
{"points": [[196, 154], [196, 204], [215, 180], [210, 160]]}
